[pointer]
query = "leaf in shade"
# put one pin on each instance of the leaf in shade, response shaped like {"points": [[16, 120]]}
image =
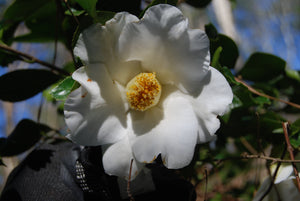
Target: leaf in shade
{"points": [[89, 6], [64, 88], [198, 3], [26, 134], [293, 74], [229, 54], [103, 16], [18, 11], [263, 67], [22, 84], [7, 58]]}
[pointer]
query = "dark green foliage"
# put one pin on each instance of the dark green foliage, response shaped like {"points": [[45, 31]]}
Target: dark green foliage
{"points": [[229, 53], [26, 134], [22, 84], [261, 67], [198, 3], [64, 88]]}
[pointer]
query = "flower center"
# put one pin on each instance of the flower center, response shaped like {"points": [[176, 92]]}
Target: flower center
{"points": [[143, 91]]}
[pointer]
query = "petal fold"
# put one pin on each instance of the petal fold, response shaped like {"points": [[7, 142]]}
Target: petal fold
{"points": [[91, 120], [164, 44], [174, 136], [213, 100]]}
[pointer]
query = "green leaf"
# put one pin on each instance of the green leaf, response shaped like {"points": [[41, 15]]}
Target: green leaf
{"points": [[263, 67], [64, 88], [293, 74], [20, 10], [103, 16], [22, 84], [7, 58], [74, 12], [89, 6], [44, 25], [216, 57], [211, 32], [295, 127], [229, 53], [260, 100], [26, 134], [295, 142]]}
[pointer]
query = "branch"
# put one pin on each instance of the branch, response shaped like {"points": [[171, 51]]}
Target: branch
{"points": [[265, 95], [254, 156], [290, 150], [33, 59]]}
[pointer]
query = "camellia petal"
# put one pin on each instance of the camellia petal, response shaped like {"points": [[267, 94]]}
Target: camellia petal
{"points": [[117, 160], [96, 44], [180, 56], [284, 183], [213, 100], [88, 115], [174, 136]]}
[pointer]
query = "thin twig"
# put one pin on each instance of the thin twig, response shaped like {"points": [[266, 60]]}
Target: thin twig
{"points": [[290, 150], [75, 18], [33, 59], [128, 183], [249, 156], [273, 177], [265, 95]]}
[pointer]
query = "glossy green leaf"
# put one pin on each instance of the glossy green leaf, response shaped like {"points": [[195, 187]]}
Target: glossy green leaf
{"points": [[263, 67], [63, 89], [229, 54], [216, 57], [293, 74], [26, 134], [22, 84], [230, 51], [89, 6]]}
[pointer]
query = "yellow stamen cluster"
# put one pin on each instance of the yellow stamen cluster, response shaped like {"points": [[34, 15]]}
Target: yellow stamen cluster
{"points": [[143, 91]]}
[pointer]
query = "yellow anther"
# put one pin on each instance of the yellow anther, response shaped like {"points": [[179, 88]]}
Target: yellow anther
{"points": [[143, 91]]}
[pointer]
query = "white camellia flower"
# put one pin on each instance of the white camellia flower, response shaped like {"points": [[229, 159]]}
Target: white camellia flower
{"points": [[146, 89], [285, 183]]}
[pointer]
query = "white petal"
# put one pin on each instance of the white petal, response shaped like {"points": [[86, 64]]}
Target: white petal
{"points": [[214, 99], [285, 185], [164, 44], [92, 45], [117, 159], [174, 136], [284, 172], [97, 43], [91, 114]]}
